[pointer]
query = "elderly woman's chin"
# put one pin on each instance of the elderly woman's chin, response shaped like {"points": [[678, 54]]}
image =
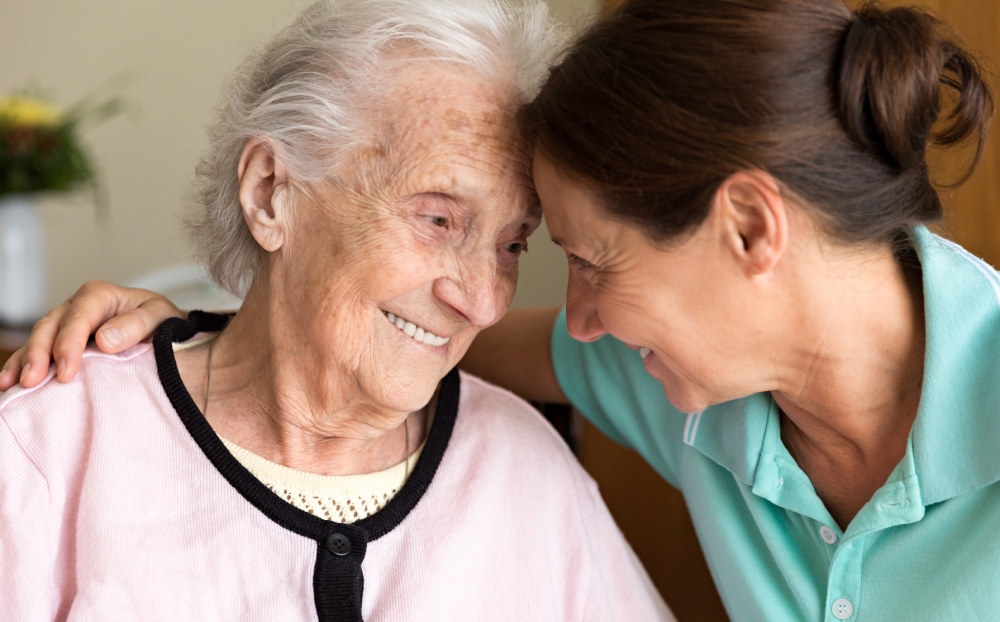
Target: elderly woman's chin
{"points": [[402, 389], [408, 375]]}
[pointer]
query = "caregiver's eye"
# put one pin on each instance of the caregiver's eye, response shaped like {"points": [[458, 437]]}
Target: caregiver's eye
{"points": [[437, 221], [583, 264]]}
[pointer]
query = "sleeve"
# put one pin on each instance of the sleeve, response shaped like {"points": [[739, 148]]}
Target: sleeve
{"points": [[620, 588], [27, 588], [608, 384]]}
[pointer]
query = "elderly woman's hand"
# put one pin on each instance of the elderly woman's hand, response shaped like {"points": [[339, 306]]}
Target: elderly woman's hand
{"points": [[122, 317]]}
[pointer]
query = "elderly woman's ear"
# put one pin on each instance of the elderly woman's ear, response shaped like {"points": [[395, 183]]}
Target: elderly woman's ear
{"points": [[264, 193]]}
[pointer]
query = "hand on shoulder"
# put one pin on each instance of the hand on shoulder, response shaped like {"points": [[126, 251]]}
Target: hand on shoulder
{"points": [[120, 316]]}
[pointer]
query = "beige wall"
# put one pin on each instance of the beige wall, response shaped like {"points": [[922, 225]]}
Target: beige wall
{"points": [[178, 54]]}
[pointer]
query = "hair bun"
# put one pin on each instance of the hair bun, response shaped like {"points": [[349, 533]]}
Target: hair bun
{"points": [[893, 65]]}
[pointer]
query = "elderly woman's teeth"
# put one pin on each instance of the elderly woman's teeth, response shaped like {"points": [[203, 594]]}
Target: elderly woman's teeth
{"points": [[644, 352], [416, 332]]}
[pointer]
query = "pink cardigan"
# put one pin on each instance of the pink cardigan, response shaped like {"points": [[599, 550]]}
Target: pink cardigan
{"points": [[119, 502]]}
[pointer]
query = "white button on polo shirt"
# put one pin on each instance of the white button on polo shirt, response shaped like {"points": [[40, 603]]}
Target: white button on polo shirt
{"points": [[842, 608], [828, 535]]}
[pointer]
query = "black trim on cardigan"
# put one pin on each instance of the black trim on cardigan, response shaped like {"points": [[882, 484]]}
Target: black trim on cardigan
{"points": [[338, 583]]}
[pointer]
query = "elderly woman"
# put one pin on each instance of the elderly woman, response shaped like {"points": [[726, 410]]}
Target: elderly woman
{"points": [[317, 456]]}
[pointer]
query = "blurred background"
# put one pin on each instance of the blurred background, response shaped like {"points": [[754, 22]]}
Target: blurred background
{"points": [[173, 57]]}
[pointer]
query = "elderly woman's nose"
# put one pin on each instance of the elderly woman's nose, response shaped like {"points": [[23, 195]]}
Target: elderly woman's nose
{"points": [[473, 294]]}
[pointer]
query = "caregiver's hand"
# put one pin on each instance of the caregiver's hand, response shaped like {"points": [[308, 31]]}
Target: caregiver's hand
{"points": [[122, 317]]}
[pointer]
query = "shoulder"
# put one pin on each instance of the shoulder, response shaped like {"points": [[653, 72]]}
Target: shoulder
{"points": [[495, 407], [52, 414], [96, 368], [494, 422]]}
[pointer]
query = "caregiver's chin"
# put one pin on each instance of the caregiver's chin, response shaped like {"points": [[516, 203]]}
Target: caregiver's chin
{"points": [[756, 298]]}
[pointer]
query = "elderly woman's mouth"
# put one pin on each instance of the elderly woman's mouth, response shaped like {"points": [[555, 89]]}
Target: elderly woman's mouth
{"points": [[418, 333]]}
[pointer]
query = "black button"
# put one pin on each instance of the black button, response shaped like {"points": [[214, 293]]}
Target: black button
{"points": [[338, 544]]}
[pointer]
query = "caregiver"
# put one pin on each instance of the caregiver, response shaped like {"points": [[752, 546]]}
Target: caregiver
{"points": [[741, 189]]}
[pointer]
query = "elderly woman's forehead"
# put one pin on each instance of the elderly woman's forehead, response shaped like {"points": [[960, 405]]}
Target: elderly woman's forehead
{"points": [[439, 97], [441, 129]]}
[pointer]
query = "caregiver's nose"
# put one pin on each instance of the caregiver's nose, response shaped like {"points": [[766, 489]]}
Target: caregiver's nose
{"points": [[582, 321]]}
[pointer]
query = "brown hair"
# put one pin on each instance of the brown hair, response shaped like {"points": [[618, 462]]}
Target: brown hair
{"points": [[656, 105]]}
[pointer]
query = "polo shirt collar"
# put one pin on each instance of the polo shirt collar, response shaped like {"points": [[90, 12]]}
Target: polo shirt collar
{"points": [[957, 428], [954, 438]]}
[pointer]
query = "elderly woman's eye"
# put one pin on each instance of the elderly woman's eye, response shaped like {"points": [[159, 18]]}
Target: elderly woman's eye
{"points": [[437, 221], [517, 247]]}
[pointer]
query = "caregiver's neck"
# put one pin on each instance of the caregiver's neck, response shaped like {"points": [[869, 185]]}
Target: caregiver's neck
{"points": [[850, 369], [278, 392]]}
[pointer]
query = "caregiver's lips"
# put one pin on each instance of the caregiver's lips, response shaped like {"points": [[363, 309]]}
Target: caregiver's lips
{"points": [[643, 352]]}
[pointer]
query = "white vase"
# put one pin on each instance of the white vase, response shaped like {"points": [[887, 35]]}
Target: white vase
{"points": [[22, 261]]}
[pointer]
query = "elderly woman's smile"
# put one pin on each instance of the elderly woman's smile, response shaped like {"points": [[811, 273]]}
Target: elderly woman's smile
{"points": [[371, 284], [417, 333]]}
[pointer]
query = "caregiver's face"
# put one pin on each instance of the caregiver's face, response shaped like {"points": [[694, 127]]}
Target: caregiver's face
{"points": [[667, 303], [415, 249]]}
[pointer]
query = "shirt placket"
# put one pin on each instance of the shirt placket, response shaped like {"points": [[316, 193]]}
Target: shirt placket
{"points": [[780, 481], [896, 504], [843, 588]]}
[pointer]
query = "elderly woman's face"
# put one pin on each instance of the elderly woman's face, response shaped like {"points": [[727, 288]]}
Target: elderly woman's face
{"points": [[422, 231]]}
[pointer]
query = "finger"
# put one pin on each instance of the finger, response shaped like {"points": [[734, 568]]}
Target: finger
{"points": [[11, 370], [90, 307], [37, 352], [129, 328]]}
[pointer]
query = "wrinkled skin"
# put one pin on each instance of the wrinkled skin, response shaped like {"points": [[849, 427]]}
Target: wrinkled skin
{"points": [[426, 222]]}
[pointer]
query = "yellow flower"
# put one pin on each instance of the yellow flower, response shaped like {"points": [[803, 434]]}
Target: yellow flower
{"points": [[26, 111]]}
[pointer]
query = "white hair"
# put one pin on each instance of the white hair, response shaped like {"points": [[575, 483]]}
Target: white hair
{"points": [[303, 90]]}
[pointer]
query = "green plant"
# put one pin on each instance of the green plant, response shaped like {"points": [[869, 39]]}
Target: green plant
{"points": [[40, 147]]}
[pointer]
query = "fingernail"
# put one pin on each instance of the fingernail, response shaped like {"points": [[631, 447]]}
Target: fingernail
{"points": [[60, 368], [113, 337], [24, 371]]}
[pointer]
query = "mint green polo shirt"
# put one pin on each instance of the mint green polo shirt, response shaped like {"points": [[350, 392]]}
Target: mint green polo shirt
{"points": [[925, 547]]}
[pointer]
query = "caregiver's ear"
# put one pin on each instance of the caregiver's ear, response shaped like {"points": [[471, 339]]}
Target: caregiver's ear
{"points": [[754, 219], [263, 192]]}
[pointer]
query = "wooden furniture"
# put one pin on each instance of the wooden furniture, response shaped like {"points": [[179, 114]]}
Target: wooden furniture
{"points": [[9, 342]]}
